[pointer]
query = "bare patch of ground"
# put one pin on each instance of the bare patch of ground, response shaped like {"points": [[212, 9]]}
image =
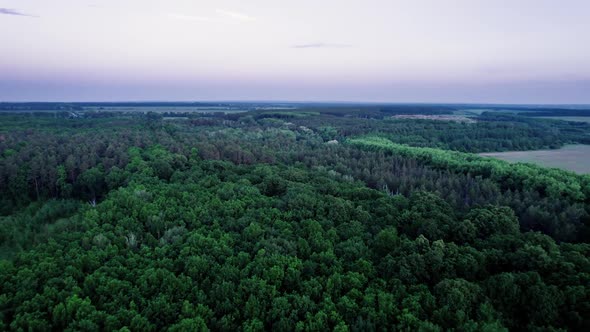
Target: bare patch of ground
{"points": [[571, 157]]}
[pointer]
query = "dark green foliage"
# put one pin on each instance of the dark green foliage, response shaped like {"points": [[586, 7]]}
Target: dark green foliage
{"points": [[118, 224], [550, 185]]}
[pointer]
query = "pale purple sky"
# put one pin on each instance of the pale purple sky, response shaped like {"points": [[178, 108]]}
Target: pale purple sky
{"points": [[496, 51]]}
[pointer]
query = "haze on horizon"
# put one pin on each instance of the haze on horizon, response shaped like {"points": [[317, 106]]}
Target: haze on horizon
{"points": [[485, 51]]}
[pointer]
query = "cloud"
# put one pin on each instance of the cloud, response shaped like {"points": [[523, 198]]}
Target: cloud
{"points": [[223, 16], [193, 18], [8, 11], [234, 15], [321, 45]]}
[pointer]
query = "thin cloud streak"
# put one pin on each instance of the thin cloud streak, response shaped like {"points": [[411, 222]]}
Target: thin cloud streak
{"points": [[9, 11], [234, 15], [322, 45]]}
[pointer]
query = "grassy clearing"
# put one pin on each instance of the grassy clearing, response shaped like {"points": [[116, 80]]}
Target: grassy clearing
{"points": [[571, 157]]}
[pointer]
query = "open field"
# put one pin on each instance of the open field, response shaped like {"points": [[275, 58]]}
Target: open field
{"points": [[571, 157]]}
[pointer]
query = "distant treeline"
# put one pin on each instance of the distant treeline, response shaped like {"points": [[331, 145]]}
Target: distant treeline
{"points": [[417, 109], [382, 112], [36, 106], [523, 108], [559, 112]]}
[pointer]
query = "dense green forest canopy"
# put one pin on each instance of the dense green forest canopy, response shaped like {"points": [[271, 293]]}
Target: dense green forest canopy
{"points": [[338, 217]]}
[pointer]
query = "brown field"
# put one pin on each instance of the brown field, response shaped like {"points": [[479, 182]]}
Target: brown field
{"points": [[571, 157]]}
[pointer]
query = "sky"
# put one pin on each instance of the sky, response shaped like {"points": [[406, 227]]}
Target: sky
{"points": [[468, 51]]}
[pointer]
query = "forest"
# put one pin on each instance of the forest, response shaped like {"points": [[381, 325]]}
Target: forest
{"points": [[317, 218]]}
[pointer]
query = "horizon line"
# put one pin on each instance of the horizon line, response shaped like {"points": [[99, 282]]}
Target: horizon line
{"points": [[247, 101]]}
